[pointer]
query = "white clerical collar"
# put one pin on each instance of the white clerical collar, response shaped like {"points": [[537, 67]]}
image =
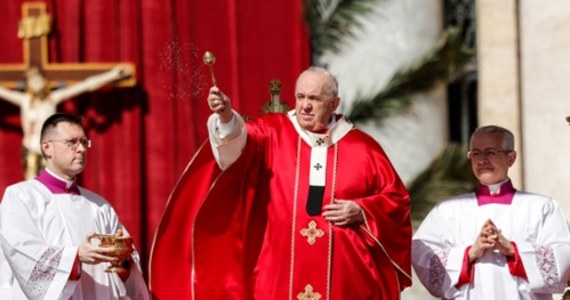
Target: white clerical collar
{"points": [[496, 187], [319, 143], [68, 183], [336, 130]]}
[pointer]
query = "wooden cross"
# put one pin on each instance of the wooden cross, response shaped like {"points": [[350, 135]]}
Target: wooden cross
{"points": [[37, 73], [34, 29]]}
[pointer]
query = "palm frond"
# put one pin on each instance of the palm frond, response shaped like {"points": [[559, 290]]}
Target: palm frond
{"points": [[448, 175], [445, 61], [332, 21]]}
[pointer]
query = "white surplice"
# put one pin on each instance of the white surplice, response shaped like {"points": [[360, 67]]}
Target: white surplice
{"points": [[535, 223], [39, 236]]}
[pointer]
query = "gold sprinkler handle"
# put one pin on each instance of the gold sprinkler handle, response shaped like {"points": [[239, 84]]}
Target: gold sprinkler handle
{"points": [[210, 59]]}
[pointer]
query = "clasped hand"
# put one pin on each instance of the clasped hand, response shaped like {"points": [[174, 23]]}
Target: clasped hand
{"points": [[490, 237], [343, 212]]}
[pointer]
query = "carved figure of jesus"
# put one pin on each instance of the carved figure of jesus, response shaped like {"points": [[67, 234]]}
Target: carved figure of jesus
{"points": [[37, 102]]}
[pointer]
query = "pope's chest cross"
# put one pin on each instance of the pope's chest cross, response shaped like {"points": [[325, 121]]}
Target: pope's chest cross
{"points": [[320, 142]]}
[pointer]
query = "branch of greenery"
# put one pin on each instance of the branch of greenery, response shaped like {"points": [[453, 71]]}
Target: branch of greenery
{"points": [[442, 63], [448, 175], [332, 22]]}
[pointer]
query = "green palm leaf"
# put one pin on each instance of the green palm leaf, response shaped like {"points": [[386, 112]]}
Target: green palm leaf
{"points": [[330, 21], [448, 175], [447, 59]]}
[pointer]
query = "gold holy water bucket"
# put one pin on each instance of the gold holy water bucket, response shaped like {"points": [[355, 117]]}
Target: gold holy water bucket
{"points": [[123, 248]]}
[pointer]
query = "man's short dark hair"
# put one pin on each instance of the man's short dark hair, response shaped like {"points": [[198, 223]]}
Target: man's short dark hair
{"points": [[54, 119]]}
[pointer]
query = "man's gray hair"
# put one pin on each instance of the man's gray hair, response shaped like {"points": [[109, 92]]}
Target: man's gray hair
{"points": [[332, 84], [506, 135]]}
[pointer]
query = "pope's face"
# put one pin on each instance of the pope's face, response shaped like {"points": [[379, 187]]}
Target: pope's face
{"points": [[489, 160], [315, 105], [65, 150]]}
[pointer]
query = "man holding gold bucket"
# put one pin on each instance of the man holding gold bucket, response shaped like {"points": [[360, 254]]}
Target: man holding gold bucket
{"points": [[47, 224]]}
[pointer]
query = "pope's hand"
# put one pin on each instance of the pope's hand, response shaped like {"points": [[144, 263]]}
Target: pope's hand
{"points": [[220, 104], [343, 212]]}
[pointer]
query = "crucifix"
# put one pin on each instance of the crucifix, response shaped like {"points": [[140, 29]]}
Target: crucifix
{"points": [[48, 84]]}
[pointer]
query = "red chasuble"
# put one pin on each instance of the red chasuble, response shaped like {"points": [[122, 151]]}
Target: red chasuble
{"points": [[245, 233]]}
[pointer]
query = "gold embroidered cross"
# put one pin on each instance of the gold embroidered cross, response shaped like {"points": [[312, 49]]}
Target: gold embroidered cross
{"points": [[312, 232], [309, 294]]}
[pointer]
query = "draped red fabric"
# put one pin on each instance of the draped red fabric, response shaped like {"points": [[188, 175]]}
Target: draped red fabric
{"points": [[144, 136], [227, 226]]}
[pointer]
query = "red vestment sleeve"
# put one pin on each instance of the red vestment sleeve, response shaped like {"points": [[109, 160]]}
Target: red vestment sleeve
{"points": [[387, 214], [205, 237], [170, 266], [75, 273], [467, 271], [516, 266], [514, 262]]}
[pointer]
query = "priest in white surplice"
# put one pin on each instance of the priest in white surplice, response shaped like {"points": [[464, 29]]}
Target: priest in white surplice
{"points": [[45, 225], [497, 242]]}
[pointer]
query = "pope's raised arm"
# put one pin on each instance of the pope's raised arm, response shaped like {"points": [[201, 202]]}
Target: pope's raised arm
{"points": [[226, 129]]}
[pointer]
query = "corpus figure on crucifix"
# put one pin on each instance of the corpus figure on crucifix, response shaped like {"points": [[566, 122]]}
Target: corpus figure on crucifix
{"points": [[40, 96], [38, 102]]}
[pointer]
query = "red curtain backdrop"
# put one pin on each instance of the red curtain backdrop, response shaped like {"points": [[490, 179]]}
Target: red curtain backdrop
{"points": [[144, 136]]}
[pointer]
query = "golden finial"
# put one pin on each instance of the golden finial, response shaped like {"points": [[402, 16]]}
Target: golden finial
{"points": [[275, 87], [275, 105]]}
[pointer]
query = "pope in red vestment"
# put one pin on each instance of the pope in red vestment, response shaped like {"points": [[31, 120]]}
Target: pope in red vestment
{"points": [[279, 208]]}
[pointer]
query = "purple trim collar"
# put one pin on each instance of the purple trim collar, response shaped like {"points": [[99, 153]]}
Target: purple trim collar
{"points": [[505, 195], [55, 185]]}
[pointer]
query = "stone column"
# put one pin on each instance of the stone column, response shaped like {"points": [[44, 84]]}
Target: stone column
{"points": [[545, 74], [499, 99]]}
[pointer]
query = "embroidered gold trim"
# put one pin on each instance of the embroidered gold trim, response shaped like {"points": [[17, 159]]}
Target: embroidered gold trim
{"points": [[333, 193], [312, 232], [293, 217], [330, 226], [309, 294], [396, 266]]}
